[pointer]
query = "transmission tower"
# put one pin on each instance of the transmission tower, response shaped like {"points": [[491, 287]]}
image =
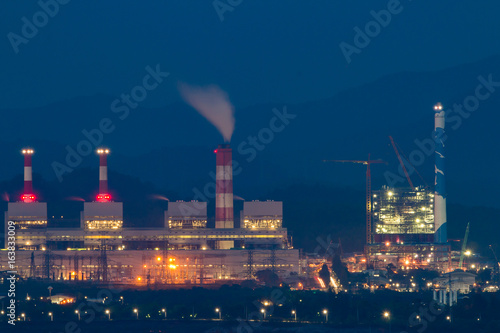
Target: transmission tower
{"points": [[32, 265], [250, 265]]}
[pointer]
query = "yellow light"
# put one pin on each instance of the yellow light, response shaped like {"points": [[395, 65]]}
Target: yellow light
{"points": [[172, 266], [159, 258], [438, 107], [386, 314], [145, 266], [390, 193], [467, 253], [139, 278]]}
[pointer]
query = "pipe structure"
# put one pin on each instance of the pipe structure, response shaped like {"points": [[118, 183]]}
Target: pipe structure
{"points": [[28, 195], [440, 226], [224, 212], [103, 195]]}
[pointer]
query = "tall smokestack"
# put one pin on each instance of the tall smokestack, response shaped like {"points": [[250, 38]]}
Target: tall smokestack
{"points": [[224, 213], [103, 195], [28, 195], [440, 227]]}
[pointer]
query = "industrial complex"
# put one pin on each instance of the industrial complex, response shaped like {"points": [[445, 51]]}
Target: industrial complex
{"points": [[183, 251], [405, 228]]}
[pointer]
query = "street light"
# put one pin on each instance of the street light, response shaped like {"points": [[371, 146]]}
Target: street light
{"points": [[387, 315], [219, 312], [165, 312], [263, 311], [24, 316], [295, 314], [136, 313], [109, 314], [121, 299], [78, 313], [51, 316], [325, 312]]}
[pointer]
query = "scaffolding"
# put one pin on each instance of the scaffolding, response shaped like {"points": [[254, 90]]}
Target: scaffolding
{"points": [[403, 211]]}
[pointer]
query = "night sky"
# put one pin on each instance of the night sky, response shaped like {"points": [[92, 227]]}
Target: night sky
{"points": [[263, 51]]}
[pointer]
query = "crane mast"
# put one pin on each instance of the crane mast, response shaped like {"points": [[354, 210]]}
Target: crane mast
{"points": [[368, 191], [464, 246]]}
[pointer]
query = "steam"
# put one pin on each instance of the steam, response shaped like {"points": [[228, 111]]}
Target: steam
{"points": [[158, 197], [212, 103], [74, 199]]}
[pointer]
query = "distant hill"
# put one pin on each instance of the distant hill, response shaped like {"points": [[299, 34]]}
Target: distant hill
{"points": [[172, 146]]}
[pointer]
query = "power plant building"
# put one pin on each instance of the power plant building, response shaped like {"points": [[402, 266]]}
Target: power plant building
{"points": [[403, 215], [182, 251]]}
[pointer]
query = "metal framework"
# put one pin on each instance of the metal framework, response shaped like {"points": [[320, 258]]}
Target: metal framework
{"points": [[368, 191]]}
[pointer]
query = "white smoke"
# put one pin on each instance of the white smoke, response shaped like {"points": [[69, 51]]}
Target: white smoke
{"points": [[212, 103]]}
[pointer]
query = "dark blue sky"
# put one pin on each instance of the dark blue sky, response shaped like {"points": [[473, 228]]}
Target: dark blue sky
{"points": [[263, 51]]}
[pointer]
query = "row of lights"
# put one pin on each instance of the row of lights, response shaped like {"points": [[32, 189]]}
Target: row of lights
{"points": [[385, 314]]}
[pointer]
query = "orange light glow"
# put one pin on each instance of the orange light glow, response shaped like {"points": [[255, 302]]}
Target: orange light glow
{"points": [[159, 258]]}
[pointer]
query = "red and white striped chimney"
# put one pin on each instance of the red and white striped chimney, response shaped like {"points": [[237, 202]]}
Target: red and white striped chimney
{"points": [[28, 195], [224, 212], [103, 195]]}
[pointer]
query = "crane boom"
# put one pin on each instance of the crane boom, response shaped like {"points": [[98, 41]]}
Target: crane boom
{"points": [[414, 168], [401, 161], [494, 254], [464, 246], [368, 191]]}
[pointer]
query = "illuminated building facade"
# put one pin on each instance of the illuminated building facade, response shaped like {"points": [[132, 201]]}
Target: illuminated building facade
{"points": [[262, 215], [403, 215], [102, 223], [186, 215], [30, 224]]}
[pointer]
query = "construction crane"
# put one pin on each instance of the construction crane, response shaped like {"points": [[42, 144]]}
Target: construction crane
{"points": [[400, 152], [464, 246], [401, 161], [368, 191], [494, 254]]}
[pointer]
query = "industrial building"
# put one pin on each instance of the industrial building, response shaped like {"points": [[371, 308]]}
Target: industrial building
{"points": [[408, 225], [183, 251], [403, 215]]}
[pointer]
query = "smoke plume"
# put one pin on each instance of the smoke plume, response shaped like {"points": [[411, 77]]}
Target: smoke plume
{"points": [[212, 103]]}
